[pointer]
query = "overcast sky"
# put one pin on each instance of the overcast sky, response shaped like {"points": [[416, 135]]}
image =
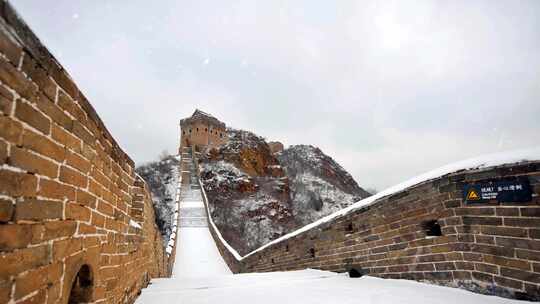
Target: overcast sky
{"points": [[389, 89]]}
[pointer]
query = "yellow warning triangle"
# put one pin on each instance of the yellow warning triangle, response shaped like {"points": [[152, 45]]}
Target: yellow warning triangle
{"points": [[472, 195]]}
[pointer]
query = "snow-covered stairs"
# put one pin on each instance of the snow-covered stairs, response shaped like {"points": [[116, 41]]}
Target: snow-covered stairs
{"points": [[192, 213]]}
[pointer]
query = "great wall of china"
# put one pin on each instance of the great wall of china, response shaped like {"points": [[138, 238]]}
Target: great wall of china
{"points": [[77, 224]]}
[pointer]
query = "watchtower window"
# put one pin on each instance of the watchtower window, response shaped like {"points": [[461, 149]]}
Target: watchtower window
{"points": [[189, 130], [197, 129], [81, 289], [221, 135], [432, 228], [205, 129], [312, 252]]}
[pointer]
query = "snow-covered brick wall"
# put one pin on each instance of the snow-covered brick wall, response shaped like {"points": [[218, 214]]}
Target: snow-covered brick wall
{"points": [[424, 230]]}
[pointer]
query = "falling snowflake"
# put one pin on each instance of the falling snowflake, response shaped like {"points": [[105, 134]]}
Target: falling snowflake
{"points": [[75, 16], [206, 61]]}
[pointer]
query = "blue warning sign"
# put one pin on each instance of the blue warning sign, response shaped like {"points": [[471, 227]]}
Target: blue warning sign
{"points": [[518, 190]]}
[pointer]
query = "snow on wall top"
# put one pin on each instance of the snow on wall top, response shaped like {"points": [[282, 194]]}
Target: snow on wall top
{"points": [[480, 162]]}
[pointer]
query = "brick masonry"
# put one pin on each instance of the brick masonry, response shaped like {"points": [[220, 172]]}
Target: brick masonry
{"points": [[491, 248], [75, 220]]}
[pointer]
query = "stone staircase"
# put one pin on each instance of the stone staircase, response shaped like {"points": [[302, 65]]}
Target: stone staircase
{"points": [[192, 212]]}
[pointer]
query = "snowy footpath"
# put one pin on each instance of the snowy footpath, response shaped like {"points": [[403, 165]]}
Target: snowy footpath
{"points": [[201, 276]]}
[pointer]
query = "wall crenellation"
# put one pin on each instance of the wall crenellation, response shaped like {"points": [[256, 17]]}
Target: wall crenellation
{"points": [[76, 222]]}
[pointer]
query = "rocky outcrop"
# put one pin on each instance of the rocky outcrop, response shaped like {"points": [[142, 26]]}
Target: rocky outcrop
{"points": [[162, 179], [258, 192], [248, 191], [319, 185]]}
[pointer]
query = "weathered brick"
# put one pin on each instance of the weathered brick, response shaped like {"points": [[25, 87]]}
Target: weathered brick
{"points": [[98, 220], [58, 229], [484, 239], [508, 211], [528, 255], [78, 162], [512, 263], [6, 101], [518, 243], [11, 130], [54, 112], [506, 282], [86, 229], [85, 198], [77, 212], [72, 177], [6, 210], [33, 117], [493, 250], [43, 145], [67, 139], [522, 222], [479, 220], [504, 231], [474, 211], [31, 281], [105, 208], [80, 131], [55, 190], [530, 211], [534, 233], [10, 48], [65, 248], [12, 263], [431, 258], [16, 80], [3, 152], [14, 236], [39, 297], [17, 184], [484, 277], [39, 76], [462, 275], [439, 276], [32, 163], [521, 275], [5, 289], [486, 268], [33, 209]]}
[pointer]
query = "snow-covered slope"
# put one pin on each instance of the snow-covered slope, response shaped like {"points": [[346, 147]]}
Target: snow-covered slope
{"points": [[162, 179], [256, 195], [319, 185], [248, 192]]}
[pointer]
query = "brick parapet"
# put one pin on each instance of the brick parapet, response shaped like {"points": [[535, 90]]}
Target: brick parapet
{"points": [[69, 196], [491, 248]]}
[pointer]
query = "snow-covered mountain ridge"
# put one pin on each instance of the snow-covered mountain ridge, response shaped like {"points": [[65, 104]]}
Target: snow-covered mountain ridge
{"points": [[256, 196]]}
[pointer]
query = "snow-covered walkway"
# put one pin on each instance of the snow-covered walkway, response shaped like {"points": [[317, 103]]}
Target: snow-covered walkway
{"points": [[201, 276]]}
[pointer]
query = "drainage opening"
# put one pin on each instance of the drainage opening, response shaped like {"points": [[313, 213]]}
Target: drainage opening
{"points": [[432, 228], [81, 289], [355, 273]]}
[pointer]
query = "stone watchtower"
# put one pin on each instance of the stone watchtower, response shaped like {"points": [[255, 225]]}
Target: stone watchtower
{"points": [[202, 130]]}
